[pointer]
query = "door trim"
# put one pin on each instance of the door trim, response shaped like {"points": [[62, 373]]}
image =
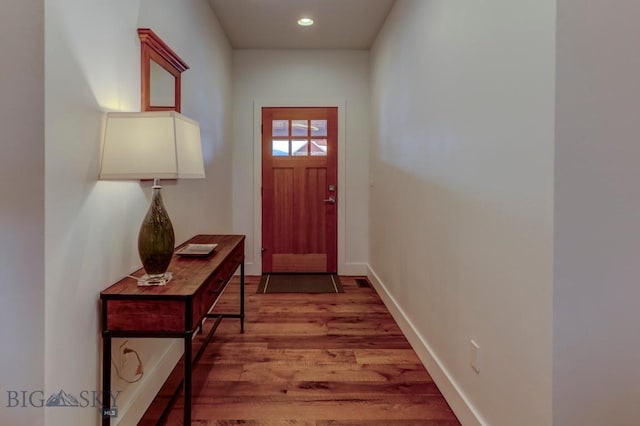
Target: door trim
{"points": [[255, 267]]}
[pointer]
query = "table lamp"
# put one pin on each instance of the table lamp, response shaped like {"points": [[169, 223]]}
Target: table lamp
{"points": [[152, 145]]}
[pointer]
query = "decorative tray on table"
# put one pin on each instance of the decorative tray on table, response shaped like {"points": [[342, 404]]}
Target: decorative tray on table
{"points": [[197, 250]]}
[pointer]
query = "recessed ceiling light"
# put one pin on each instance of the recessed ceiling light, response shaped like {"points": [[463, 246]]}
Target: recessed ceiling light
{"points": [[305, 22]]}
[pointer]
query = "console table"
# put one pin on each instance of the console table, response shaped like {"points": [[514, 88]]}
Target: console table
{"points": [[175, 310]]}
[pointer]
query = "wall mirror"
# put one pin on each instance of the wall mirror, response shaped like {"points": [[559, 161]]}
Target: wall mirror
{"points": [[161, 69]]}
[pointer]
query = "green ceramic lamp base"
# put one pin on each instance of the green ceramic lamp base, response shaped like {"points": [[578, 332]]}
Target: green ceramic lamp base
{"points": [[156, 240]]}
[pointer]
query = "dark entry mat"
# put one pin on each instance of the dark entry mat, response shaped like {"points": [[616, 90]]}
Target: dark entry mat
{"points": [[300, 283]]}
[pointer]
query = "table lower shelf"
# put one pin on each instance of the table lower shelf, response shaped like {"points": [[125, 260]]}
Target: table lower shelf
{"points": [[170, 391]]}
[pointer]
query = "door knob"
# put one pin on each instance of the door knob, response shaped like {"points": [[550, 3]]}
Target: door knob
{"points": [[331, 200]]}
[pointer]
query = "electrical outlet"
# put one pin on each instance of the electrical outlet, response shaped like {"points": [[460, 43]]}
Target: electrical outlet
{"points": [[474, 354]]}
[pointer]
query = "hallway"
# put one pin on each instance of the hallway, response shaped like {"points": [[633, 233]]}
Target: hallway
{"points": [[310, 359]]}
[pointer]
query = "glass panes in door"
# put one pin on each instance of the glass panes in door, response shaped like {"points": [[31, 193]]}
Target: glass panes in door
{"points": [[280, 147], [280, 128], [318, 147], [303, 138], [318, 128], [299, 127]]}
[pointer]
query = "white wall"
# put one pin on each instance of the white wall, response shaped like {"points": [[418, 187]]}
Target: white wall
{"points": [[596, 345], [461, 212], [21, 209], [303, 78], [92, 66]]}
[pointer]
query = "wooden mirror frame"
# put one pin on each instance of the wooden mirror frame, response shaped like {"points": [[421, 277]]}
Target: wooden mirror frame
{"points": [[152, 48]]}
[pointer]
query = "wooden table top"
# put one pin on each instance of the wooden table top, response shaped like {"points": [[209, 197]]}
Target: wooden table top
{"points": [[189, 273]]}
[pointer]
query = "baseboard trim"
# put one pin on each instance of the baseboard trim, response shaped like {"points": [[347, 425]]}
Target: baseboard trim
{"points": [[459, 403], [353, 269], [251, 268]]}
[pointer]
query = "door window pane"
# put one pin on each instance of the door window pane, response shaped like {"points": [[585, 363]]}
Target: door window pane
{"points": [[299, 127], [299, 147], [280, 128], [318, 127], [280, 147], [319, 147]]}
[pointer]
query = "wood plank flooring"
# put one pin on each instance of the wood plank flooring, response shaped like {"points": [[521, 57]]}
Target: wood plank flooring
{"points": [[308, 359]]}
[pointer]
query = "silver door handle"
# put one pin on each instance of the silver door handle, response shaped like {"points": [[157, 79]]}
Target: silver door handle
{"points": [[331, 200]]}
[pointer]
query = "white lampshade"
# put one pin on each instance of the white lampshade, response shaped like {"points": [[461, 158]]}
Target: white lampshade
{"points": [[149, 145]]}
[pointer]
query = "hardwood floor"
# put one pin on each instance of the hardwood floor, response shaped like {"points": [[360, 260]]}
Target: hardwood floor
{"points": [[308, 359]]}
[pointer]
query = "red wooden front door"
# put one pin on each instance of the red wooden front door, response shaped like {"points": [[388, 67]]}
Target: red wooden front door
{"points": [[299, 189]]}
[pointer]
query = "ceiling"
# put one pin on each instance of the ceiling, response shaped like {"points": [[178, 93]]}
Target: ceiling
{"points": [[272, 24]]}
